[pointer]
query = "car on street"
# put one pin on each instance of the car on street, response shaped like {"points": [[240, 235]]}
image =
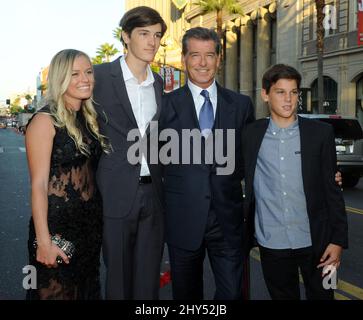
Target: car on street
{"points": [[348, 143]]}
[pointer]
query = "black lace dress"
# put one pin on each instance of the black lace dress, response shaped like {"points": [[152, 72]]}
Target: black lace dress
{"points": [[74, 212]]}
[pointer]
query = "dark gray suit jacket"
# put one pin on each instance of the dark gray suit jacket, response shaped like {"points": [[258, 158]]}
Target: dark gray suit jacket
{"points": [[117, 178]]}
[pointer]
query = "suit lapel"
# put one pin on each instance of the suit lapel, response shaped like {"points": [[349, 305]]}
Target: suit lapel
{"points": [[120, 89], [185, 109], [304, 145], [158, 89], [121, 92], [226, 110]]}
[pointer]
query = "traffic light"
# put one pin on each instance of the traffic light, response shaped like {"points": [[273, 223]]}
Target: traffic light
{"points": [[8, 102]]}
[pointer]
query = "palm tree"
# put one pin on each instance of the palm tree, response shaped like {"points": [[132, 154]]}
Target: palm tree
{"points": [[117, 33], [106, 51], [320, 51], [232, 7], [97, 60]]}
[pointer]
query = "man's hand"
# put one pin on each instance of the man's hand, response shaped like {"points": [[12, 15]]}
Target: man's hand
{"points": [[331, 256], [338, 178]]}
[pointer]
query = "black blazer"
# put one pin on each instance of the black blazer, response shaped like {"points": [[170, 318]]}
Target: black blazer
{"points": [[192, 189], [324, 199], [117, 178]]}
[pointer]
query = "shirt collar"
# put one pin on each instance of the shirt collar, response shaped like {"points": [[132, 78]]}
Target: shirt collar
{"points": [[196, 90], [275, 128], [127, 74]]}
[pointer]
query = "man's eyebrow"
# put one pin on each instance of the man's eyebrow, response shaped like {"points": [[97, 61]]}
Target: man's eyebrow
{"points": [[277, 88], [192, 52], [145, 30]]}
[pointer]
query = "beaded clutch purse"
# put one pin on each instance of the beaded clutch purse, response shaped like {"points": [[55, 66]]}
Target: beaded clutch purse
{"points": [[66, 246]]}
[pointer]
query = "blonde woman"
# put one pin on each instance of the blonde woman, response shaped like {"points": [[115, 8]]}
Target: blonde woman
{"points": [[63, 146]]}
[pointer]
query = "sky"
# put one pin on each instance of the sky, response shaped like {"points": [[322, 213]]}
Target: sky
{"points": [[33, 31]]}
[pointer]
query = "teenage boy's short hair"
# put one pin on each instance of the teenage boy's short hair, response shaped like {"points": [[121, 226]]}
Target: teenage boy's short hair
{"points": [[141, 17], [277, 72]]}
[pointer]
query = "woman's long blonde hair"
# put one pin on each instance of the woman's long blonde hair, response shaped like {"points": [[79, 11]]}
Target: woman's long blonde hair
{"points": [[59, 77]]}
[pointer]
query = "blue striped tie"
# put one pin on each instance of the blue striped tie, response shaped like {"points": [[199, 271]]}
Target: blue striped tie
{"points": [[206, 115]]}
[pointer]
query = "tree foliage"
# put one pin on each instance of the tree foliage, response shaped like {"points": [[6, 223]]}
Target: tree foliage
{"points": [[104, 53], [117, 33], [231, 6]]}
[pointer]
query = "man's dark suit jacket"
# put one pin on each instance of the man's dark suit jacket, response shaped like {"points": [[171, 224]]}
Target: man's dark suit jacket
{"points": [[325, 203], [190, 189], [118, 179]]}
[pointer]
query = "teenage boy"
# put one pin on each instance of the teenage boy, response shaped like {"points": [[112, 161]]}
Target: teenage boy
{"points": [[292, 198]]}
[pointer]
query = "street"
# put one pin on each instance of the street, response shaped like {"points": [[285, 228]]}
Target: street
{"points": [[15, 212]]}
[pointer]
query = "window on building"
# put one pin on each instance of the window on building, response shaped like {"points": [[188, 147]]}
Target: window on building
{"points": [[330, 96], [332, 7], [353, 11], [254, 55], [314, 20], [359, 104], [238, 59], [273, 37]]}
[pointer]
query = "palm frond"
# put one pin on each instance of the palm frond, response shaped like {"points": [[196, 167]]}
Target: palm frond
{"points": [[232, 6]]}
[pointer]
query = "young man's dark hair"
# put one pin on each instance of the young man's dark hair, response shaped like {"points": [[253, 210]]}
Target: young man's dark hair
{"points": [[141, 17], [200, 34], [277, 72]]}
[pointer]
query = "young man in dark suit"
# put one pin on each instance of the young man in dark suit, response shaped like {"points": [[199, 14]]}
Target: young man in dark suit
{"points": [[128, 96], [295, 207], [203, 207]]}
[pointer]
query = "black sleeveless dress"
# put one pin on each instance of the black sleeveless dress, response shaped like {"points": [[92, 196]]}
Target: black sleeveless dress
{"points": [[74, 212]]}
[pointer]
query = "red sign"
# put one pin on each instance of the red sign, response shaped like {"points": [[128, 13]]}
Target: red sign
{"points": [[360, 22], [169, 79]]}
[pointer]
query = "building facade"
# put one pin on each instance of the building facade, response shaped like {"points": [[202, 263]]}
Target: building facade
{"points": [[343, 58], [281, 31]]}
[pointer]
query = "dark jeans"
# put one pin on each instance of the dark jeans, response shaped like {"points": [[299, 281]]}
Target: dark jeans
{"points": [[280, 270], [226, 263]]}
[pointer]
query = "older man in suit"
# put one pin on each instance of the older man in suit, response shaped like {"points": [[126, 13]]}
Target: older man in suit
{"points": [[204, 205], [128, 96]]}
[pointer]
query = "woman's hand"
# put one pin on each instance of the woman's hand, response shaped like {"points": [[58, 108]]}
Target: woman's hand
{"points": [[47, 254]]}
